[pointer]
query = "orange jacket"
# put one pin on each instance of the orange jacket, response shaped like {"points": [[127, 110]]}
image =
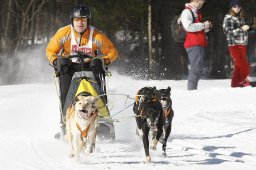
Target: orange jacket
{"points": [[62, 40]]}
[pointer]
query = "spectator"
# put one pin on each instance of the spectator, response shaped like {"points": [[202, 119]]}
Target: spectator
{"points": [[195, 42], [237, 38]]}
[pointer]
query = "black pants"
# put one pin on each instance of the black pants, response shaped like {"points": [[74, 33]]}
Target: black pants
{"points": [[66, 73]]}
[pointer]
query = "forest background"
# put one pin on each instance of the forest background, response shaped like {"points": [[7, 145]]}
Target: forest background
{"points": [[140, 29]]}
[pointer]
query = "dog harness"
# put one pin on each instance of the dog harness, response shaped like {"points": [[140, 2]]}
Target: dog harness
{"points": [[167, 109], [141, 100], [167, 112], [84, 132]]}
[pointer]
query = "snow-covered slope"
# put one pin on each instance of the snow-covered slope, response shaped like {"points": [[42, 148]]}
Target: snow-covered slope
{"points": [[213, 128]]}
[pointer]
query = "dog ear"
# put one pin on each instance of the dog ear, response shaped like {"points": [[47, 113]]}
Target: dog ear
{"points": [[77, 98], [156, 92], [95, 99], [169, 88]]}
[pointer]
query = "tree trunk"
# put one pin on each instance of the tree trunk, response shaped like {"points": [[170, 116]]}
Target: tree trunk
{"points": [[142, 52], [150, 58], [33, 24], [6, 40]]}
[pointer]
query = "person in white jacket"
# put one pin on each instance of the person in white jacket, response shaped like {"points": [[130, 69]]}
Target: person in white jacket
{"points": [[195, 42]]}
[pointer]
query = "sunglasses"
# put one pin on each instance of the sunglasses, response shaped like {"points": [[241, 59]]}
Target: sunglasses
{"points": [[236, 6], [80, 19]]}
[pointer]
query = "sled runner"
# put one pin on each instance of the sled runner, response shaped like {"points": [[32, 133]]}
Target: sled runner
{"points": [[84, 82]]}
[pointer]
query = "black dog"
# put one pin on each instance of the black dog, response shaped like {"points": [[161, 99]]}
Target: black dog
{"points": [[166, 101], [149, 116]]}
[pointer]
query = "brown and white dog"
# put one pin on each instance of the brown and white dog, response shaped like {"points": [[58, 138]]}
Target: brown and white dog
{"points": [[81, 123]]}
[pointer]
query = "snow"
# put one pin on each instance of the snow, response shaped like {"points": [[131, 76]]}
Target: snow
{"points": [[213, 128]]}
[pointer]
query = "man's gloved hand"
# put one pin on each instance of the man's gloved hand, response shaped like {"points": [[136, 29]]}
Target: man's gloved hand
{"points": [[55, 64], [65, 65], [107, 60], [56, 67], [62, 65], [96, 66]]}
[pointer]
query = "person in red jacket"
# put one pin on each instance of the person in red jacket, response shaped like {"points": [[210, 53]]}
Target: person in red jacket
{"points": [[195, 42], [79, 36], [237, 38]]}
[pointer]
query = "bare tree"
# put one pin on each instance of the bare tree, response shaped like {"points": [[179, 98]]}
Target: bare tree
{"points": [[150, 56], [26, 15], [6, 40]]}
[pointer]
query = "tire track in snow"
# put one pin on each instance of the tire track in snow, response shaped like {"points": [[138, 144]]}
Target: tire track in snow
{"points": [[39, 154]]}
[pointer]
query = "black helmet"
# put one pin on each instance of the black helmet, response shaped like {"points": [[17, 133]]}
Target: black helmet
{"points": [[80, 11]]}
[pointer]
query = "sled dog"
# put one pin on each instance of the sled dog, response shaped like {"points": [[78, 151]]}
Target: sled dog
{"points": [[166, 101], [149, 117], [81, 123]]}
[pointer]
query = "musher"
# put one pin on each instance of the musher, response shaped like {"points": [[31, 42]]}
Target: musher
{"points": [[78, 36]]}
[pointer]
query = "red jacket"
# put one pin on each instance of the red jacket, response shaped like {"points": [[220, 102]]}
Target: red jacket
{"points": [[196, 38]]}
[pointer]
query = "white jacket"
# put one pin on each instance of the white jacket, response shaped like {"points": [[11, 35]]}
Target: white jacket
{"points": [[187, 20]]}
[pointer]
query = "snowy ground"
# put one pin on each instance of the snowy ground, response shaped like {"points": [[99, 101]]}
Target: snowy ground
{"points": [[213, 128]]}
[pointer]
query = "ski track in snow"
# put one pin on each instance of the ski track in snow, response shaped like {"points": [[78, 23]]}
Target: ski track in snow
{"points": [[213, 128]]}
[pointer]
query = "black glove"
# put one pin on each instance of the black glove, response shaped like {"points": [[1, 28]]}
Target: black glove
{"points": [[56, 67], [96, 66], [65, 65], [62, 65], [55, 64]]}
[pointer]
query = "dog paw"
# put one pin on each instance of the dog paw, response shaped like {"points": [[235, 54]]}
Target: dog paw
{"points": [[86, 151], [164, 154], [153, 147], [154, 144], [154, 141], [161, 140], [139, 132], [148, 160]]}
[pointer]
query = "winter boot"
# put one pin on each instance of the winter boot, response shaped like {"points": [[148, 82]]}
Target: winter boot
{"points": [[244, 83]]}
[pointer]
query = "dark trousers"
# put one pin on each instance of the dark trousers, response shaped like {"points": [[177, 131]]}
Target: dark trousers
{"points": [[196, 57]]}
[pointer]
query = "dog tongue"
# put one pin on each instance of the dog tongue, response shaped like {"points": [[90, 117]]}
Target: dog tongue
{"points": [[84, 114]]}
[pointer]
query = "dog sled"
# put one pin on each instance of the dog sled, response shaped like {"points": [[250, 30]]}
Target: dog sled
{"points": [[84, 82]]}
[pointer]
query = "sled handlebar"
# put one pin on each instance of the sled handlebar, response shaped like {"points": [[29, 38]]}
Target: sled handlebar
{"points": [[80, 55]]}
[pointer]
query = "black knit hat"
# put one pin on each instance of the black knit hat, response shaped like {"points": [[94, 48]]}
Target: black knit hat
{"points": [[234, 3]]}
